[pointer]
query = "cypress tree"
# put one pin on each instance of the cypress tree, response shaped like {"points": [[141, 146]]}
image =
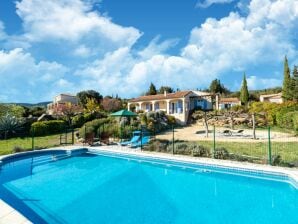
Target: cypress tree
{"points": [[152, 90], [244, 95], [286, 88], [294, 86]]}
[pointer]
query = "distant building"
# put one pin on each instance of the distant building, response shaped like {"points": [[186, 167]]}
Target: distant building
{"points": [[227, 103], [60, 100], [178, 104], [272, 98]]}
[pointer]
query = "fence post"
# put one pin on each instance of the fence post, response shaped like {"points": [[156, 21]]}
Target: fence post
{"points": [[214, 142], [141, 137], [72, 136], [173, 139], [269, 147], [66, 136], [85, 135], [32, 138]]}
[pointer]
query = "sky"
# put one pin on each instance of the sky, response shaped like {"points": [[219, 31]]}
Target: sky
{"points": [[120, 47]]}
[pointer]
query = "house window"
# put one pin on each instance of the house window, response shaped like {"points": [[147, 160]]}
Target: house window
{"points": [[156, 106], [179, 107]]}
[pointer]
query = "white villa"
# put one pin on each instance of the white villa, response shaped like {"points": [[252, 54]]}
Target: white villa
{"points": [[272, 98], [178, 104], [59, 100], [228, 102]]}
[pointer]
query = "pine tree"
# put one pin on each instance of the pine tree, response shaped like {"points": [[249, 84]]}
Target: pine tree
{"points": [[244, 95], [294, 86], [286, 88], [152, 90], [215, 86]]}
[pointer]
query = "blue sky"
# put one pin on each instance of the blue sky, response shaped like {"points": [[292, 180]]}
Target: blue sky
{"points": [[119, 47]]}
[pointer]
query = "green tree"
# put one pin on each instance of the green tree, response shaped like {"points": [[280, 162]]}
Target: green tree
{"points": [[152, 90], [83, 96], [286, 88], [244, 95], [168, 89], [92, 106], [295, 84], [14, 110], [217, 87]]}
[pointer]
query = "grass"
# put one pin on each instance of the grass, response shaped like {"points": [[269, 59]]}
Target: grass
{"points": [[7, 146], [287, 150]]}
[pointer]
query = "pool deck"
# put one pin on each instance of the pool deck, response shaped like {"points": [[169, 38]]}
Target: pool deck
{"points": [[10, 215]]}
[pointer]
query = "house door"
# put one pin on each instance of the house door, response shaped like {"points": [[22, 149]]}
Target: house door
{"points": [[173, 108]]}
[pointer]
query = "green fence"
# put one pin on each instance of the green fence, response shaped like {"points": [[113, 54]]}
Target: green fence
{"points": [[267, 147], [19, 142]]}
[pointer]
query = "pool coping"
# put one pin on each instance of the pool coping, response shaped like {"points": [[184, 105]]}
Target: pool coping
{"points": [[290, 173], [10, 214]]}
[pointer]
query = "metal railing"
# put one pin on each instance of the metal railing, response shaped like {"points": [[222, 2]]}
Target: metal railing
{"points": [[269, 147], [25, 141]]}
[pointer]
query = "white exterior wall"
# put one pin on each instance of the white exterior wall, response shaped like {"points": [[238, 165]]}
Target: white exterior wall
{"points": [[186, 104], [63, 98]]}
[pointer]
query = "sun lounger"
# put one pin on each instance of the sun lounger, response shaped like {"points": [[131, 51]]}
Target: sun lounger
{"points": [[239, 132], [227, 132], [133, 140], [144, 141]]}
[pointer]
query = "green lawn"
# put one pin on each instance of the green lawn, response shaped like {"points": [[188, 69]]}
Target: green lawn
{"points": [[287, 150], [7, 146]]}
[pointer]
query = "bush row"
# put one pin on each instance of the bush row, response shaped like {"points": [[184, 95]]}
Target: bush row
{"points": [[283, 115], [40, 128], [196, 150], [80, 119]]}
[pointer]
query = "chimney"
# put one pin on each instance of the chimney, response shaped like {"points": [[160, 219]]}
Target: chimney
{"points": [[165, 93]]}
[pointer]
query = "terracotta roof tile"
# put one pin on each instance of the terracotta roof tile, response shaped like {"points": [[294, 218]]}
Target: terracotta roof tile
{"points": [[229, 100], [179, 94]]}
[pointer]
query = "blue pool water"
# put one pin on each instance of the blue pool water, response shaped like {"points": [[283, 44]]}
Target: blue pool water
{"points": [[90, 188]]}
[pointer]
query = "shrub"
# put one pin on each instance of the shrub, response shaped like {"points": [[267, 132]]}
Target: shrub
{"points": [[171, 119], [183, 148], [221, 153], [295, 122], [157, 146], [17, 149], [40, 128], [201, 151], [276, 160], [93, 126], [80, 119]]}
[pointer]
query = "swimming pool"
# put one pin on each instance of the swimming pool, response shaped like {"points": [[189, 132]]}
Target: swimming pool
{"points": [[89, 187]]}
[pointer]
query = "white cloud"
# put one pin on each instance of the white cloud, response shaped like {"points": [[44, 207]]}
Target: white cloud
{"points": [[74, 22], [82, 51], [123, 73], [233, 43], [256, 82], [237, 43], [207, 3], [23, 79], [156, 47], [217, 47]]}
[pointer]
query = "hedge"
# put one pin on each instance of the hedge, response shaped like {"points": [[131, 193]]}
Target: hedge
{"points": [[295, 122], [40, 128], [80, 119], [92, 126]]}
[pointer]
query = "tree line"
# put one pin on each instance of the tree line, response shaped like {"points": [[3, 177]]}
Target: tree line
{"points": [[290, 82]]}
